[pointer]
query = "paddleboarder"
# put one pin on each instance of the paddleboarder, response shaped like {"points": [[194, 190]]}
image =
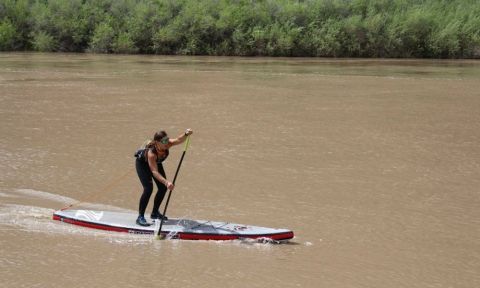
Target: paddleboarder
{"points": [[149, 166]]}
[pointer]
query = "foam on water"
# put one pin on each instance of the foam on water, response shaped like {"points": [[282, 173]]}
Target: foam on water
{"points": [[27, 218], [34, 219], [64, 200], [6, 195], [44, 195]]}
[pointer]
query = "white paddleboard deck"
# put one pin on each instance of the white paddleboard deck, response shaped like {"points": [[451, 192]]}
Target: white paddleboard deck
{"points": [[173, 228]]}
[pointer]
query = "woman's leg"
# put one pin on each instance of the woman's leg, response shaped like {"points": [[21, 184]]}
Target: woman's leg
{"points": [[145, 176], [162, 190]]}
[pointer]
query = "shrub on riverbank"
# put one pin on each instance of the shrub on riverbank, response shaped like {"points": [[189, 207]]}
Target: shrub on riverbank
{"points": [[327, 28]]}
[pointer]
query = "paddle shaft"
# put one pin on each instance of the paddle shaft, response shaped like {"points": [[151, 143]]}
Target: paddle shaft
{"points": [[174, 179]]}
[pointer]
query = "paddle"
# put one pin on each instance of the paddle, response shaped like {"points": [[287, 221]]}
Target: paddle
{"points": [[159, 235]]}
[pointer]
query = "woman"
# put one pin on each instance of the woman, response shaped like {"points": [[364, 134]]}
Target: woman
{"points": [[149, 165]]}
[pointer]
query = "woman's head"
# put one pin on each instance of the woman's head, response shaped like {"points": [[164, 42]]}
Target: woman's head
{"points": [[161, 137]]}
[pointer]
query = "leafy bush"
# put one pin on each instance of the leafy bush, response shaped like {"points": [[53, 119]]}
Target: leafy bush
{"points": [[327, 28], [7, 36], [124, 44], [102, 40], [44, 42]]}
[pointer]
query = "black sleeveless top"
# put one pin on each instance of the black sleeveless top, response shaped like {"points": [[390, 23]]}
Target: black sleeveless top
{"points": [[141, 154]]}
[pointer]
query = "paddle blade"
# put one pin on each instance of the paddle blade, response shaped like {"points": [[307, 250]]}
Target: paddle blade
{"points": [[160, 237]]}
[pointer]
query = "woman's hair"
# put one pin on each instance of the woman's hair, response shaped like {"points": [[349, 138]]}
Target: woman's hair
{"points": [[156, 138]]}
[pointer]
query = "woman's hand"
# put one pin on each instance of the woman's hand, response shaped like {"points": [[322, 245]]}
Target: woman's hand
{"points": [[169, 185], [181, 138]]}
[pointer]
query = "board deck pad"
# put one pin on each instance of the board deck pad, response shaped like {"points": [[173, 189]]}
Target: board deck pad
{"points": [[172, 228]]}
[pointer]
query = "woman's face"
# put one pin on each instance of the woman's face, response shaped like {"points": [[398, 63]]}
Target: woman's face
{"points": [[163, 143]]}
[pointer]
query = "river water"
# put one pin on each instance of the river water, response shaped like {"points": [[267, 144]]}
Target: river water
{"points": [[374, 164]]}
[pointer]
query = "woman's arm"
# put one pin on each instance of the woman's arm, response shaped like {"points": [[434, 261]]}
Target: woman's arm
{"points": [[152, 163], [180, 139]]}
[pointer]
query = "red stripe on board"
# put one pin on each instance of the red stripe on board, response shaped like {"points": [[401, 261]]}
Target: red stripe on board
{"points": [[180, 235], [89, 224], [194, 236]]}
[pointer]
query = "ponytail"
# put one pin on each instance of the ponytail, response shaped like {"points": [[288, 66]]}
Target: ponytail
{"points": [[150, 144]]}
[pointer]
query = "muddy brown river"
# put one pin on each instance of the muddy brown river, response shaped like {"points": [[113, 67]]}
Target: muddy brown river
{"points": [[374, 164]]}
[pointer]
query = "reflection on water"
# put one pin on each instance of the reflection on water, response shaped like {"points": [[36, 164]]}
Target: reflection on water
{"points": [[456, 69]]}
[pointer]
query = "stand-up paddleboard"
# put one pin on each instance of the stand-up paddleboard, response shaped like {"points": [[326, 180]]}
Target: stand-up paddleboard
{"points": [[172, 228]]}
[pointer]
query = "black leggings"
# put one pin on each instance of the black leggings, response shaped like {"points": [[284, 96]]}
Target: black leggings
{"points": [[145, 176]]}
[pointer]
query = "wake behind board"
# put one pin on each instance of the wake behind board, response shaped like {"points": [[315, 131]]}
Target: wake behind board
{"points": [[175, 228]]}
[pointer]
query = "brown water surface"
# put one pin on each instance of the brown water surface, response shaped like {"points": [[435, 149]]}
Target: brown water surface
{"points": [[374, 164]]}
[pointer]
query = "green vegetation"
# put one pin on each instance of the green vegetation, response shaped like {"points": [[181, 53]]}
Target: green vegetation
{"points": [[327, 28]]}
